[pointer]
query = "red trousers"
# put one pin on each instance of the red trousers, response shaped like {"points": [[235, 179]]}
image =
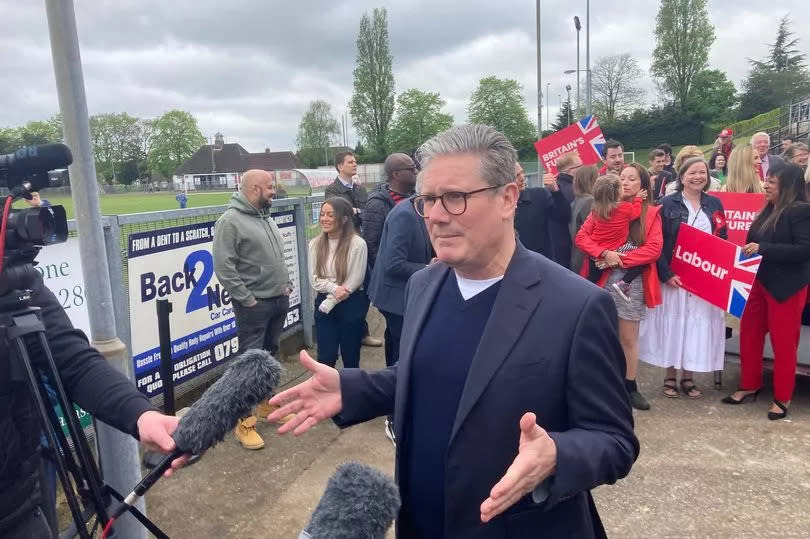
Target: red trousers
{"points": [[763, 315]]}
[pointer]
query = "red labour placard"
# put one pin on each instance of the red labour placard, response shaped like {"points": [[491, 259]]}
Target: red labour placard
{"points": [[714, 269]]}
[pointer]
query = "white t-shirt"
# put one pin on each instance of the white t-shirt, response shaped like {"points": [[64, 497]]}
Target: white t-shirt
{"points": [[472, 287]]}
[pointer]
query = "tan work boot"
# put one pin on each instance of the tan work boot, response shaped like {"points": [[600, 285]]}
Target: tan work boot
{"points": [[264, 409], [368, 340], [246, 433]]}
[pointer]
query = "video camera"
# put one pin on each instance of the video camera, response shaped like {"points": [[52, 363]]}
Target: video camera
{"points": [[24, 232]]}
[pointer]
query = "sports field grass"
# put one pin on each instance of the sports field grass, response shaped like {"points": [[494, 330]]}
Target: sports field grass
{"points": [[120, 204]]}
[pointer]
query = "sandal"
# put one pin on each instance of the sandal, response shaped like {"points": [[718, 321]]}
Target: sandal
{"points": [[671, 389], [690, 389]]}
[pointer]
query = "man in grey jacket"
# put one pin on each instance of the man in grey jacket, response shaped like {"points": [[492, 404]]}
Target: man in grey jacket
{"points": [[249, 263]]}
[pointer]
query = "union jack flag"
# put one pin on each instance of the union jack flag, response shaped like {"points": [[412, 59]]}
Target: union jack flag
{"points": [[592, 134], [742, 278]]}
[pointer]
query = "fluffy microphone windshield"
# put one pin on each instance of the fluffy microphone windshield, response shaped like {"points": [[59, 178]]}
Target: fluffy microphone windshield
{"points": [[249, 380], [359, 502]]}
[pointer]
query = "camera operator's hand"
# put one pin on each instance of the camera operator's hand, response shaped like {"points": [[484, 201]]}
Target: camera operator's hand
{"points": [[155, 431]]}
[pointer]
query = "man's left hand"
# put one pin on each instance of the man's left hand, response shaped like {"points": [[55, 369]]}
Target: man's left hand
{"points": [[155, 431], [536, 460]]}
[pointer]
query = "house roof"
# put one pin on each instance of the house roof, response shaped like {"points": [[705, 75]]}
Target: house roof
{"points": [[234, 158], [273, 161], [208, 159]]}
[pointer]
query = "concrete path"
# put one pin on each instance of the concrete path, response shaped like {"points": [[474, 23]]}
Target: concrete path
{"points": [[705, 470]]}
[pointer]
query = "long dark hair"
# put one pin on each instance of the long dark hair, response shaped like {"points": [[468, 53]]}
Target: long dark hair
{"points": [[344, 215], [638, 228], [791, 189]]}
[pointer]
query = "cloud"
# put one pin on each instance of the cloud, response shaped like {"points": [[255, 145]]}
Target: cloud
{"points": [[249, 68]]}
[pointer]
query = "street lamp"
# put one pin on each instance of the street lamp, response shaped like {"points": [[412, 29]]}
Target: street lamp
{"points": [[578, 26], [588, 57], [568, 89]]}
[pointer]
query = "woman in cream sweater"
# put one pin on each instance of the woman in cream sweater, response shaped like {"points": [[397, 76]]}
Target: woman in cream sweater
{"points": [[337, 267]]}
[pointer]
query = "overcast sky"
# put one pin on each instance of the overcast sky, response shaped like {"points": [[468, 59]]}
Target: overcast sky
{"points": [[250, 68]]}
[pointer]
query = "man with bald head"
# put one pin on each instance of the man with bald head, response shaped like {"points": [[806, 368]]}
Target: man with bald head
{"points": [[401, 173], [249, 263]]}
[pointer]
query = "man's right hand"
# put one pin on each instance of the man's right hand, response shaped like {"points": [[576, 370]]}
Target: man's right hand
{"points": [[312, 401], [674, 282], [550, 182]]}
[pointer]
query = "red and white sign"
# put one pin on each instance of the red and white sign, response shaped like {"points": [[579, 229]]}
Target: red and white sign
{"points": [[714, 269], [584, 136], [741, 209]]}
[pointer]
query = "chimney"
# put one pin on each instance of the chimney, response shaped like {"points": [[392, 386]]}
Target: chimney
{"points": [[219, 141]]}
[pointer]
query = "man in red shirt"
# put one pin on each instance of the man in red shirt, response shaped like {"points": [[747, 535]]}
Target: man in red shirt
{"points": [[724, 144]]}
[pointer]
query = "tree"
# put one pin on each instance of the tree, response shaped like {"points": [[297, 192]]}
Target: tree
{"points": [[38, 132], [499, 103], [419, 117], [175, 138], [565, 117], [613, 80], [713, 98], [117, 141], [781, 78], [783, 52], [372, 103], [684, 34], [316, 132], [9, 140]]}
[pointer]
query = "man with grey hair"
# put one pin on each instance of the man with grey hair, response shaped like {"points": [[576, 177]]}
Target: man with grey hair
{"points": [[762, 142], [508, 397], [249, 263]]}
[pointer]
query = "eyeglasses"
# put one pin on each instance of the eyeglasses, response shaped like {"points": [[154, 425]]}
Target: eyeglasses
{"points": [[411, 168], [454, 202]]}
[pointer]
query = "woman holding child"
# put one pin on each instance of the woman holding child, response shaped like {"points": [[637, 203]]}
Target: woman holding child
{"points": [[685, 332], [337, 262], [640, 249]]}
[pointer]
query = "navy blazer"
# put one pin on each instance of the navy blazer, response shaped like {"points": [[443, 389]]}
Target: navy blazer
{"points": [[551, 347], [404, 250]]}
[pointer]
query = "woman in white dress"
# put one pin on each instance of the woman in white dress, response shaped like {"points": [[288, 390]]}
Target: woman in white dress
{"points": [[685, 332]]}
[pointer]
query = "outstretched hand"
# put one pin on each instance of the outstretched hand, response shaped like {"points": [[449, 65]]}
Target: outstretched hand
{"points": [[536, 460], [311, 401]]}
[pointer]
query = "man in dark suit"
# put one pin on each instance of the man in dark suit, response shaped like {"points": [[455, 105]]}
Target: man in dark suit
{"points": [[508, 397], [348, 187], [537, 209], [404, 250]]}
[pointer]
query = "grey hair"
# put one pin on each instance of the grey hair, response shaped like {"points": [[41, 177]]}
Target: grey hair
{"points": [[761, 134], [498, 156]]}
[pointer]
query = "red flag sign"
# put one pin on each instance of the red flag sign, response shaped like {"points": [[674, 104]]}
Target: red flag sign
{"points": [[584, 136], [714, 269], [741, 210]]}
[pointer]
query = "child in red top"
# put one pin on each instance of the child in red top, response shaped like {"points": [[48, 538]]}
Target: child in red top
{"points": [[612, 217]]}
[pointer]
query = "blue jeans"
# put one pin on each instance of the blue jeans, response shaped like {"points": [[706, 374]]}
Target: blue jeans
{"points": [[341, 331]]}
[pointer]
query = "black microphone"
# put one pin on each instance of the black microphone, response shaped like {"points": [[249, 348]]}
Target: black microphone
{"points": [[34, 160], [249, 380], [359, 502]]}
